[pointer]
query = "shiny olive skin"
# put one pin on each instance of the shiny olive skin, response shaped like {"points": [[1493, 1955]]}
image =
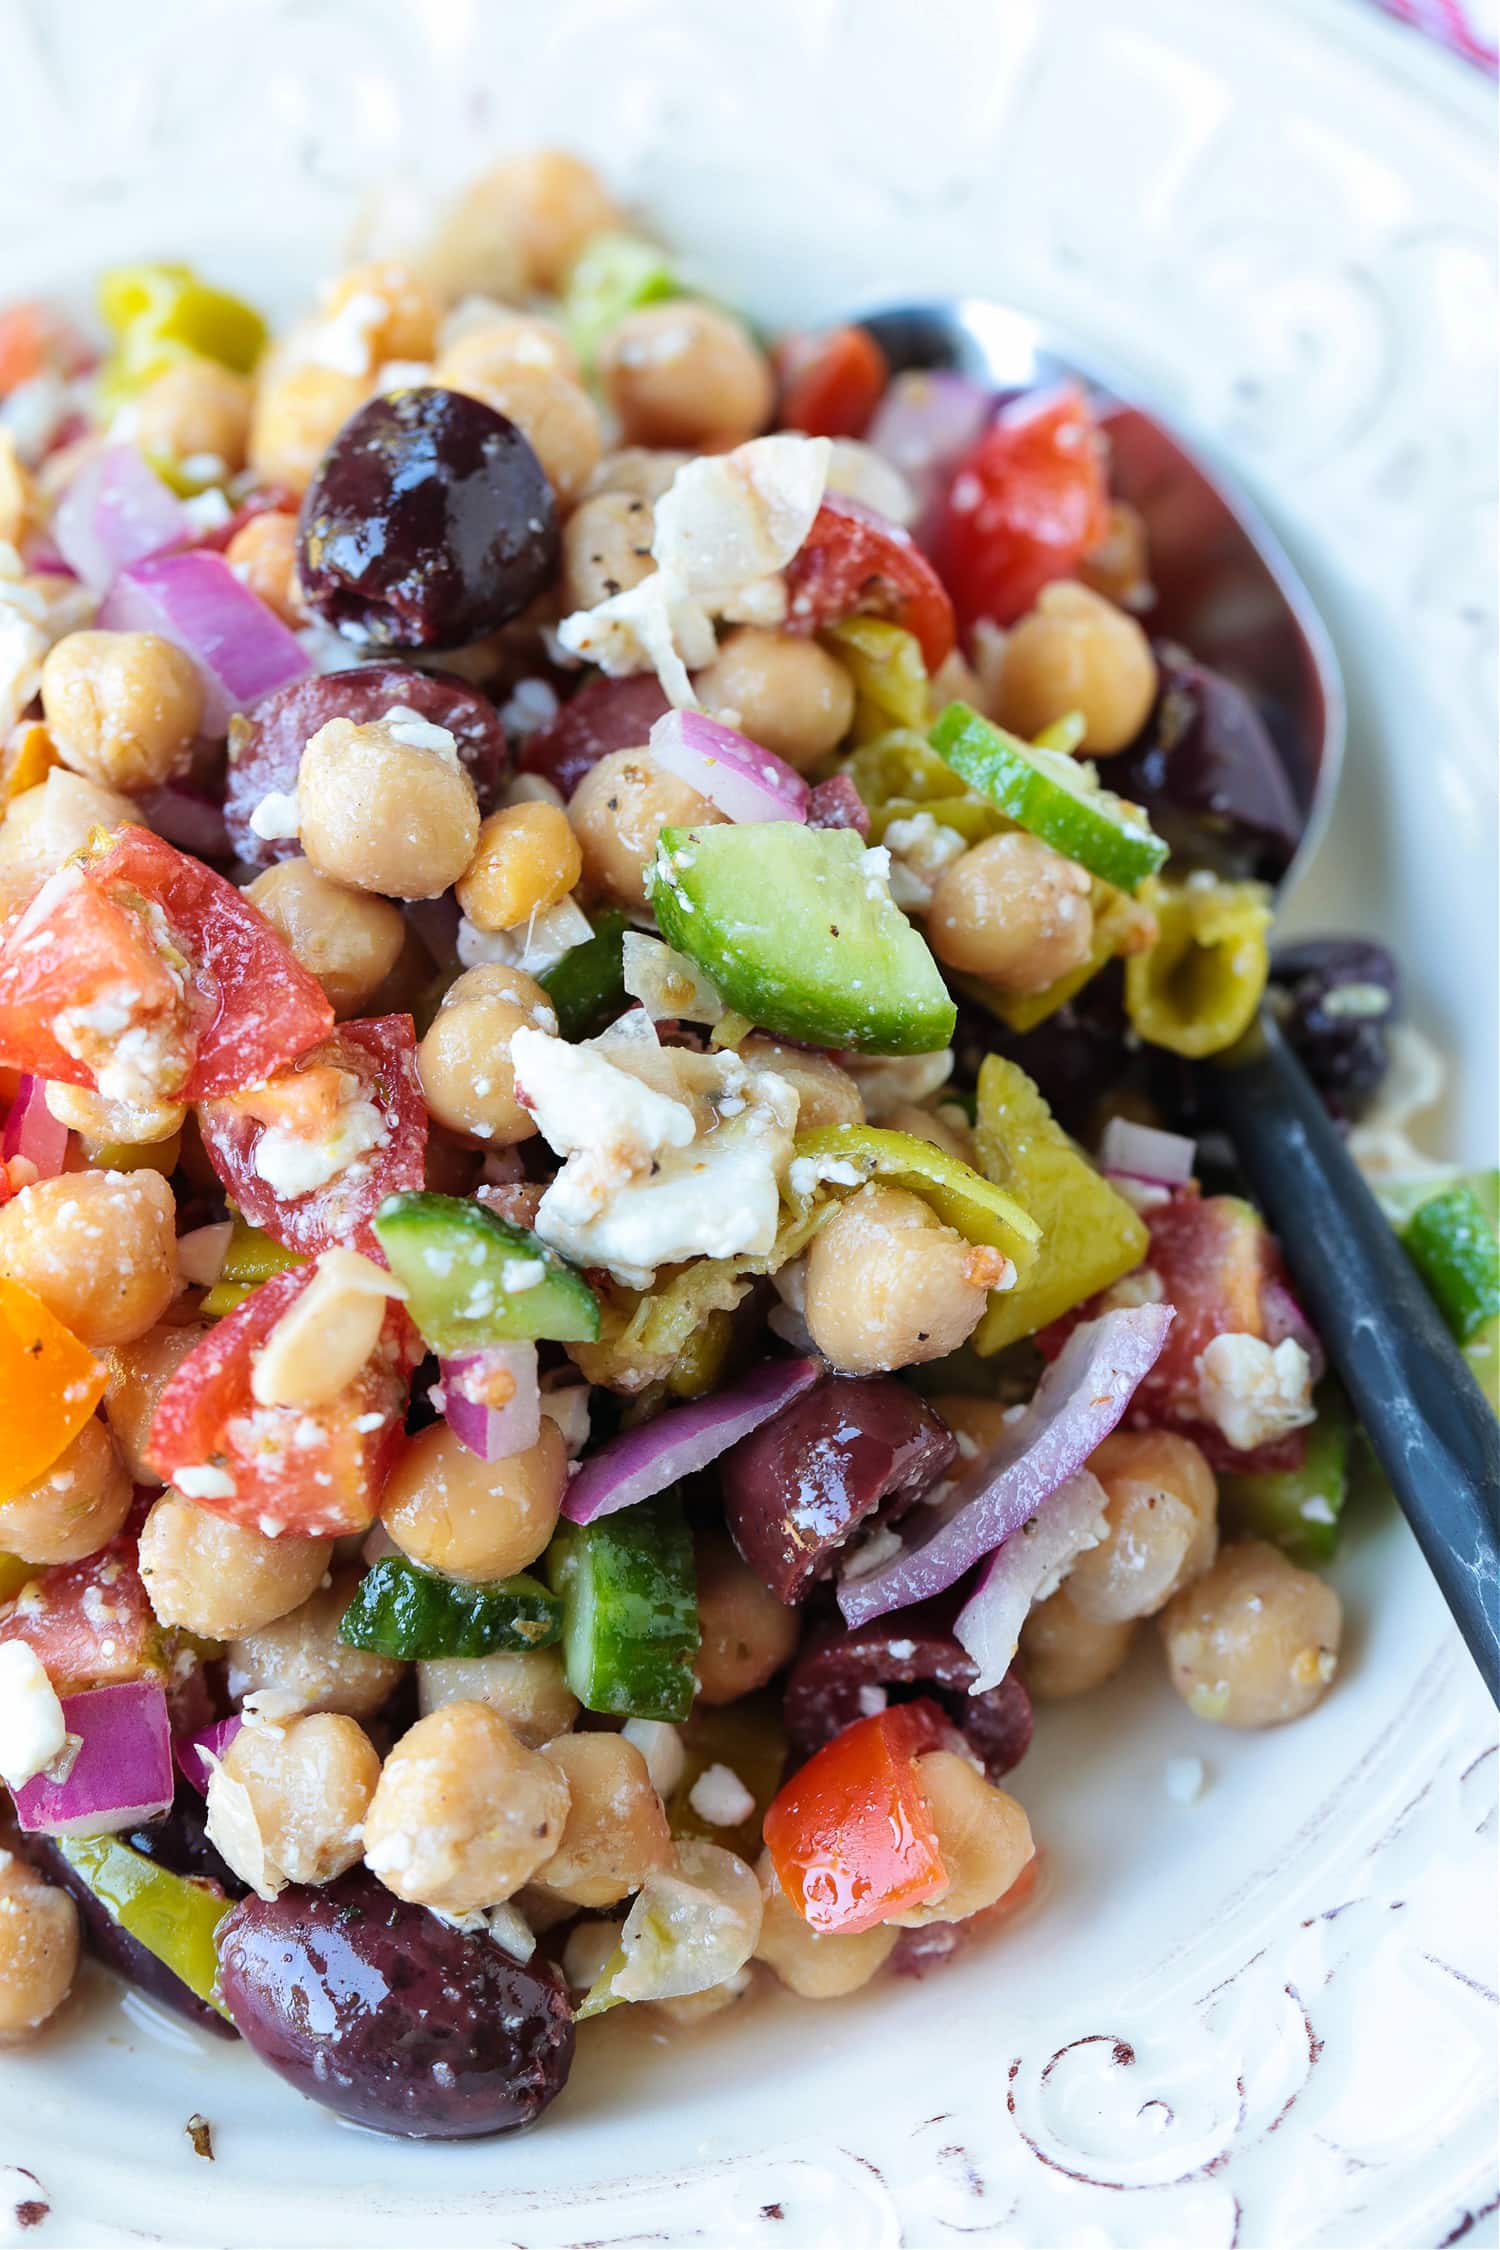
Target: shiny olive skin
{"points": [[396, 2020], [1336, 999], [912, 1650], [1209, 774], [430, 523], [604, 715], [796, 1488]]}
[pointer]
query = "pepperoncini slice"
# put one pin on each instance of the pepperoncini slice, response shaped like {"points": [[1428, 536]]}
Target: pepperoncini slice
{"points": [[1197, 989], [846, 1156]]}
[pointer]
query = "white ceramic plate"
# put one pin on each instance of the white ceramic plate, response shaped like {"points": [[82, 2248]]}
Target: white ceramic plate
{"points": [[1266, 2018]]}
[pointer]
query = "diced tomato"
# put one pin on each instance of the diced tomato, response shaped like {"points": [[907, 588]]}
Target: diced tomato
{"points": [[853, 563], [850, 1834], [90, 1622], [306, 1471], [36, 340], [49, 1386], [380, 1056], [604, 715], [831, 384], [1024, 508], [137, 938]]}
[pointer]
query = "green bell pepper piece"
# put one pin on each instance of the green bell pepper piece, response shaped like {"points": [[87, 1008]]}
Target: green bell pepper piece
{"points": [[472, 1279], [1052, 796], [845, 1156], [1299, 1510], [402, 1610], [1453, 1245], [172, 1916], [614, 274], [630, 1610], [587, 986]]}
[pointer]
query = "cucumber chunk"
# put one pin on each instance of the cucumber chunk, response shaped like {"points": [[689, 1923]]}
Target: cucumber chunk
{"points": [[472, 1279], [402, 1610], [1298, 1510], [586, 987], [1051, 796], [630, 1610]]}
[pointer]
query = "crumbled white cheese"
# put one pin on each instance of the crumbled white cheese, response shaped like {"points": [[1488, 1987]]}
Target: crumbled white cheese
{"points": [[278, 817], [806, 1172], [535, 945], [34, 411], [920, 848], [858, 472], [35, 612], [1252, 1392], [511, 1931], [655, 626], [530, 706], [205, 1483], [345, 340], [568, 1406], [417, 733], [661, 1746], [730, 519], [293, 1163], [1317, 1510], [879, 1547], [1184, 1779], [207, 511], [872, 1701], [33, 1732], [720, 1797]]}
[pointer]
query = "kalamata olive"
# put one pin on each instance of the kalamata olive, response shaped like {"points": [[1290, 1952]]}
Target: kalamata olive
{"points": [[838, 1673], [179, 1841], [604, 715], [430, 523], [799, 1486], [1208, 772], [266, 750], [1336, 999], [1076, 1055], [394, 2019]]}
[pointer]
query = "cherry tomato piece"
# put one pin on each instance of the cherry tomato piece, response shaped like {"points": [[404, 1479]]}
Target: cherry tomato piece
{"points": [[831, 384], [850, 1835], [853, 563], [90, 1622], [1024, 508]]}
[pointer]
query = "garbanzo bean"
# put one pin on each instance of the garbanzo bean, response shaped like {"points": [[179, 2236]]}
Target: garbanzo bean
{"points": [[814, 1966], [398, 312], [464, 1060], [888, 1285], [1077, 652], [606, 548], [1253, 1641], [46, 825], [122, 708], [686, 374], [1014, 911], [73, 1507], [464, 1813], [195, 409], [301, 1656], [641, 472], [263, 555], [518, 227], [1065, 1653], [826, 1095], [1119, 568], [299, 410], [746, 1633], [308, 1784], [788, 694], [349, 940], [213, 1577], [481, 341], [103, 1123], [385, 815], [558, 419], [474, 1519], [619, 809], [526, 859], [98, 1248], [983, 1836], [138, 1374], [616, 1832], [529, 1689], [39, 1945], [1163, 1516]]}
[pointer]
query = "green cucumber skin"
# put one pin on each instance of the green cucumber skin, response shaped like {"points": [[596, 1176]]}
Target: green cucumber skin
{"points": [[402, 1610], [1270, 1506], [443, 1248], [630, 1610], [1083, 827], [1452, 1243], [586, 987], [769, 971]]}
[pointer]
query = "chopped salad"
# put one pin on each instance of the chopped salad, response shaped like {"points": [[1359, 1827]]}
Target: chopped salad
{"points": [[609, 1271]]}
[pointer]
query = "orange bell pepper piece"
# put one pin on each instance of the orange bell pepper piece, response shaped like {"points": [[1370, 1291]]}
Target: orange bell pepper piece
{"points": [[49, 1386]]}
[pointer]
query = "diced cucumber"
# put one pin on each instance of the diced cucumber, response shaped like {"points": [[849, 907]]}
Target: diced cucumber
{"points": [[1052, 796], [614, 274], [587, 986], [473, 1279], [798, 930], [402, 1610], [1298, 1510], [1451, 1240], [630, 1610]]}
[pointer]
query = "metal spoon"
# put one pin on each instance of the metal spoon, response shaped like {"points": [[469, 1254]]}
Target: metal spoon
{"points": [[1226, 590]]}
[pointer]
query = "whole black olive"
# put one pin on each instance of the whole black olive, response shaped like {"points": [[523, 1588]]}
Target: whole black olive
{"points": [[1336, 999], [603, 715], [1209, 774], [1076, 1055], [430, 523], [830, 1684]]}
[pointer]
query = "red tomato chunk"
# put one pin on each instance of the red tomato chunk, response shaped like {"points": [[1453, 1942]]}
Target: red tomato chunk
{"points": [[1025, 507], [855, 564], [849, 1835]]}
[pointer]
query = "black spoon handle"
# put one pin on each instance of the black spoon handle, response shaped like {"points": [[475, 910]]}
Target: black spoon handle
{"points": [[1424, 1414]]}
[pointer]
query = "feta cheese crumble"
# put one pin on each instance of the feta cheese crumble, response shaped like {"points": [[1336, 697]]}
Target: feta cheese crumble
{"points": [[33, 1734], [278, 817], [720, 1797], [920, 848], [1252, 1392]]}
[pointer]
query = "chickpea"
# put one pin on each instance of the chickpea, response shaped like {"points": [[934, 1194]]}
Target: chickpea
{"points": [[18, 495], [641, 472], [814, 1965], [138, 1374], [606, 549], [122, 708], [349, 940], [1014, 911], [529, 1689], [39, 1946], [526, 859], [1163, 1526], [301, 1656], [98, 1248], [1065, 1653], [299, 410], [686, 374], [1077, 652], [405, 325], [468, 1082], [924, 1124], [263, 556], [481, 342], [384, 815], [1253, 1641], [746, 1633], [473, 1519], [289, 1802], [464, 1813], [103, 1123], [46, 825], [215, 1578], [616, 1832], [557, 418], [983, 1836], [518, 228], [783, 690], [74, 1507], [888, 1285], [195, 408], [618, 811], [826, 1095]]}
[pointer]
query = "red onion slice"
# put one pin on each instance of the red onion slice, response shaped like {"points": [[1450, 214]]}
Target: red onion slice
{"points": [[989, 1624], [1143, 1153], [644, 1461], [927, 421], [115, 512], [215, 1740], [122, 1774], [1077, 1403], [492, 1401], [836, 803], [33, 1133], [734, 773], [241, 648]]}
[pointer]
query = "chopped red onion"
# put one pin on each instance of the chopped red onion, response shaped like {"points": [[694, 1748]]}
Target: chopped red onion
{"points": [[1077, 1403], [214, 1740], [989, 1624], [122, 1774], [1163, 1159], [33, 1133], [734, 773], [644, 1461], [474, 1382], [187, 818], [241, 648], [926, 422], [1282, 1315], [115, 512], [836, 803]]}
